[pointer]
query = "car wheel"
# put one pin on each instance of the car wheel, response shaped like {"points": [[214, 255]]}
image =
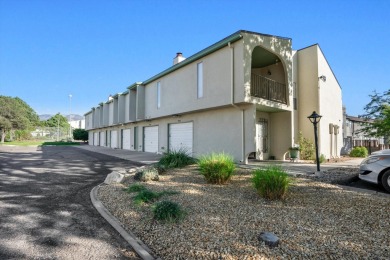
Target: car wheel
{"points": [[386, 180]]}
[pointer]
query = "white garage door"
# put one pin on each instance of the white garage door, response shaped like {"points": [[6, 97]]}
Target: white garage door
{"points": [[151, 139], [180, 137], [96, 138], [90, 138], [126, 139], [114, 139], [102, 139]]}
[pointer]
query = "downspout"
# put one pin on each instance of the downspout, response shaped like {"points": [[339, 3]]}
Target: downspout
{"points": [[243, 158], [319, 112]]}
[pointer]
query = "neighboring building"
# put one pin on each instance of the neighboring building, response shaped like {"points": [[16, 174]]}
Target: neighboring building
{"points": [[77, 124], [248, 93], [354, 136]]}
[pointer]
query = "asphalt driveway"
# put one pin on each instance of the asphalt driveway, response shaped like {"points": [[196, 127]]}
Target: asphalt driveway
{"points": [[45, 207]]}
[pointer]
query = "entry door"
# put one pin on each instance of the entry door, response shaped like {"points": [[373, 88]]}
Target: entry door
{"points": [[262, 139], [151, 139]]}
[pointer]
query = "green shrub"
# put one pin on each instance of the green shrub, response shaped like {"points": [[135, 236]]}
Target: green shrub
{"points": [[168, 211], [147, 174], [359, 151], [217, 168], [176, 159], [322, 159], [307, 149], [271, 182], [135, 188], [145, 196]]}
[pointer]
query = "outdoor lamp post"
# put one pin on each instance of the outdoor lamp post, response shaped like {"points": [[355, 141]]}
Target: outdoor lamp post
{"points": [[315, 119], [70, 118], [58, 126]]}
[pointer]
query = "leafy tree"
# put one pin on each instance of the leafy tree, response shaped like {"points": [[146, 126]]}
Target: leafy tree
{"points": [[377, 115], [80, 134], [57, 120], [15, 114]]}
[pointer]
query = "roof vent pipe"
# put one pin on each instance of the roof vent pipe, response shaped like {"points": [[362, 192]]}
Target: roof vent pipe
{"points": [[179, 58]]}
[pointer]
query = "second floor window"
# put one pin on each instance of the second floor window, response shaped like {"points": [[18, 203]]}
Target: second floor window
{"points": [[158, 94], [200, 79]]}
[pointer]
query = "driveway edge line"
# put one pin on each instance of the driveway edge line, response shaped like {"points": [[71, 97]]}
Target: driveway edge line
{"points": [[142, 250]]}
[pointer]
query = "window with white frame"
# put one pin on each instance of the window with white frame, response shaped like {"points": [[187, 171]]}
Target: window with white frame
{"points": [[200, 79], [158, 94]]}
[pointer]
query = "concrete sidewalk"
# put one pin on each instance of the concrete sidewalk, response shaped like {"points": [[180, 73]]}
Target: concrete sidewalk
{"points": [[141, 157], [291, 167], [298, 167]]}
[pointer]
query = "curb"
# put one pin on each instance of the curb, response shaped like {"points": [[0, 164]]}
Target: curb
{"points": [[365, 191], [139, 247]]}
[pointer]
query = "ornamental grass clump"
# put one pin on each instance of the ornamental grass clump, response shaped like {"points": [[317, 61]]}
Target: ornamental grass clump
{"points": [[217, 168], [176, 159], [271, 182], [146, 196], [135, 188], [168, 211]]}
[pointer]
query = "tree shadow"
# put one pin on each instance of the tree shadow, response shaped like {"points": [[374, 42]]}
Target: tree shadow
{"points": [[45, 204]]}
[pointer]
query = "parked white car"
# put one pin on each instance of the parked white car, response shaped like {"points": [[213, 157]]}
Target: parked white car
{"points": [[376, 169]]}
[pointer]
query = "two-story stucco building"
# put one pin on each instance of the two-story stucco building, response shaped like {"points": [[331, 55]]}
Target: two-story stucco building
{"points": [[248, 93]]}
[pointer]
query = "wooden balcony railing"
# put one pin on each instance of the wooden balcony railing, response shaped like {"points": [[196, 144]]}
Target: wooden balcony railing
{"points": [[269, 89]]}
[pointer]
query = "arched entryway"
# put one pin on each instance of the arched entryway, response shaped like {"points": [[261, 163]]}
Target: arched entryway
{"points": [[268, 76]]}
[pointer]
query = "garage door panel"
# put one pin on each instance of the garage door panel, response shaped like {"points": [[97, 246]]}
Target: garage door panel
{"points": [[181, 137], [102, 139], [151, 139], [126, 139], [96, 139], [114, 139]]}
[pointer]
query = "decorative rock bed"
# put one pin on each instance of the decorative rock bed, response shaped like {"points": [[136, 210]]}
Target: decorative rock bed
{"points": [[318, 220]]}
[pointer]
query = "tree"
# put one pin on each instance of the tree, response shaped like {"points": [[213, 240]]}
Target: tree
{"points": [[80, 134], [57, 120], [377, 117], [15, 114]]}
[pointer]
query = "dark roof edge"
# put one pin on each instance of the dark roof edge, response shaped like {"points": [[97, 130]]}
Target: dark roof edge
{"points": [[264, 34]]}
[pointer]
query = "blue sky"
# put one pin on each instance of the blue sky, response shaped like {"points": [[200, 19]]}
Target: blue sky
{"points": [[90, 49]]}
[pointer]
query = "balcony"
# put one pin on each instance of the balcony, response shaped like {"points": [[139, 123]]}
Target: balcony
{"points": [[269, 89]]}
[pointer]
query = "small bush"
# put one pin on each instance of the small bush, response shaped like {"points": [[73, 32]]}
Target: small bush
{"points": [[135, 188], [161, 169], [146, 196], [217, 168], [168, 211], [306, 147], [176, 159], [359, 151], [322, 159], [271, 182], [147, 174]]}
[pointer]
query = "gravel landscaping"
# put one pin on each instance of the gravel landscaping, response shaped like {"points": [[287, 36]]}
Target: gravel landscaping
{"points": [[318, 220]]}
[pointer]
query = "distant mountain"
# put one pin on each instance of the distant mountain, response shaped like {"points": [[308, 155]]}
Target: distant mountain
{"points": [[44, 117], [74, 117]]}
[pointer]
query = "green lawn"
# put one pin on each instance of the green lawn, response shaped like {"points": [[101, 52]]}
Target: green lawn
{"points": [[38, 143]]}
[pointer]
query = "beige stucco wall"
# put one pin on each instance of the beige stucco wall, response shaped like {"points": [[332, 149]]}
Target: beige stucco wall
{"points": [[323, 97], [330, 109], [281, 133], [218, 130], [179, 88]]}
